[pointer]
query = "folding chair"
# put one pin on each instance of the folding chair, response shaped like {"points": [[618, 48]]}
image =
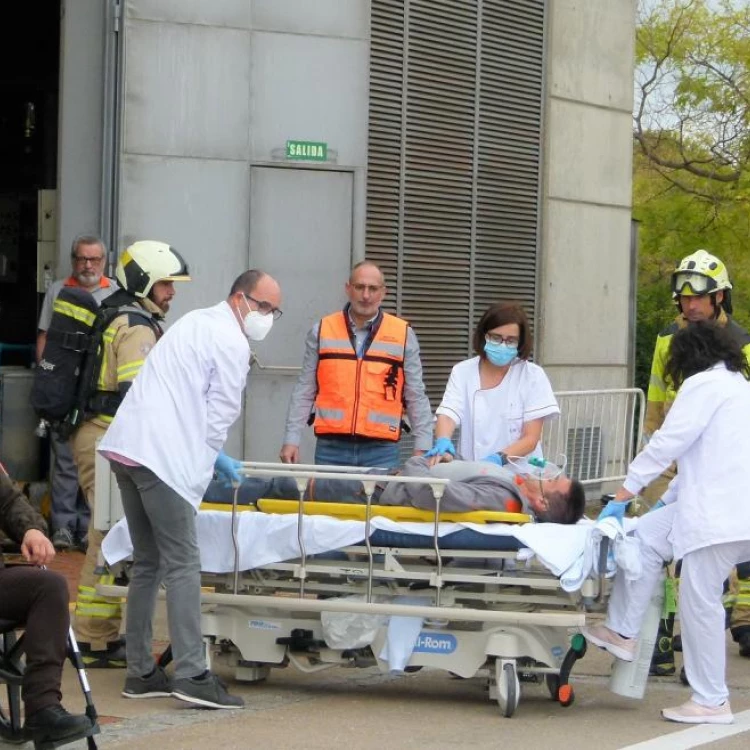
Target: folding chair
{"points": [[11, 674]]}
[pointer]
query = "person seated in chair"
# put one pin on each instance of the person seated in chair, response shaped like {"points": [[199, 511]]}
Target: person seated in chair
{"points": [[36, 599]]}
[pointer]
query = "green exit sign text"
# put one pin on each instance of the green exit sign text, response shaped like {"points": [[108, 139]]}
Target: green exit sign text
{"points": [[307, 150]]}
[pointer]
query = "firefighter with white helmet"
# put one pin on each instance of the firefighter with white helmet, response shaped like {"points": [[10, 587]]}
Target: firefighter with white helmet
{"points": [[146, 271], [702, 274], [701, 290]]}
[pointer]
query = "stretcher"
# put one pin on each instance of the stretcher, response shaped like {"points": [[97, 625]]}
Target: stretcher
{"points": [[471, 594]]}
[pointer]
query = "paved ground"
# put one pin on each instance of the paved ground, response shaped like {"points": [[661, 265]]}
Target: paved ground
{"points": [[363, 709]]}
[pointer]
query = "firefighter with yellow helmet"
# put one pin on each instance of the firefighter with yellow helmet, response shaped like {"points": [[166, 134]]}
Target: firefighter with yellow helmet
{"points": [[146, 273], [701, 290]]}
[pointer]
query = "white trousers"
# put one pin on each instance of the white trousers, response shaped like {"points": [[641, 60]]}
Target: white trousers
{"points": [[700, 602]]}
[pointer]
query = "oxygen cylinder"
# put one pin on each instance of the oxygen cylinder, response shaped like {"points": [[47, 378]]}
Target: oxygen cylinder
{"points": [[629, 677]]}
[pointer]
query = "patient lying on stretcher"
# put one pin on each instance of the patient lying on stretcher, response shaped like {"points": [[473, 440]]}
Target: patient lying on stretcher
{"points": [[475, 485]]}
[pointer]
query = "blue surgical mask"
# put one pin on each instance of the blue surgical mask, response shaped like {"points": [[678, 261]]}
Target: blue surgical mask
{"points": [[500, 354]]}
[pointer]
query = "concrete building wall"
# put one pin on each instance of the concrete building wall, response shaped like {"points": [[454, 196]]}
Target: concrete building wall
{"points": [[213, 90], [585, 268], [80, 125]]}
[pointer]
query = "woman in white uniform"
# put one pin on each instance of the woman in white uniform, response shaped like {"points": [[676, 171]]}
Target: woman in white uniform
{"points": [[499, 398], [703, 518]]}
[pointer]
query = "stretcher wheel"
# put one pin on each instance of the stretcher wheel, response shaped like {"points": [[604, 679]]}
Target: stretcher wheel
{"points": [[553, 685], [508, 687]]}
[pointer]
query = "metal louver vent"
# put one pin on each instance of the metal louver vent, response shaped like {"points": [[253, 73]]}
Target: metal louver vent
{"points": [[584, 451], [453, 164]]}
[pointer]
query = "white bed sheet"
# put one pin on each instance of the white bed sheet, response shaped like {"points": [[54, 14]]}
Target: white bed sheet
{"points": [[569, 552]]}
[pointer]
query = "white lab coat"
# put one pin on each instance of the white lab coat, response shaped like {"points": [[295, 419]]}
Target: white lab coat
{"points": [[176, 415], [492, 418], [707, 431]]}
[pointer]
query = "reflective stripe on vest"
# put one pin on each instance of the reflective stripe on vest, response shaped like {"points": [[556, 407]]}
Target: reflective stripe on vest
{"points": [[74, 311], [360, 396]]}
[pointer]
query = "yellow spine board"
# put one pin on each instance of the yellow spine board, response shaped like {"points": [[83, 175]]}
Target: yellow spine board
{"points": [[358, 512]]}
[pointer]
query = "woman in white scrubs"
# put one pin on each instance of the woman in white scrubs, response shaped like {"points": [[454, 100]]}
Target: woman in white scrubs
{"points": [[498, 398], [703, 517]]}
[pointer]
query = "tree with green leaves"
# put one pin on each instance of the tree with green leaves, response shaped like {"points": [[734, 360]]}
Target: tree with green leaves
{"points": [[691, 184]]}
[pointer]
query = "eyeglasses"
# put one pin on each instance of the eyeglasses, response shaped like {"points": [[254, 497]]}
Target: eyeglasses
{"points": [[371, 288], [87, 259], [496, 338], [264, 308]]}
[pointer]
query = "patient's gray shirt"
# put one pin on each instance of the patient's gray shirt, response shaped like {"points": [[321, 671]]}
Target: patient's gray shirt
{"points": [[475, 485]]}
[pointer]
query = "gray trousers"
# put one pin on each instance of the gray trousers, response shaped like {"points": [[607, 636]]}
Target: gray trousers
{"points": [[69, 510], [165, 548]]}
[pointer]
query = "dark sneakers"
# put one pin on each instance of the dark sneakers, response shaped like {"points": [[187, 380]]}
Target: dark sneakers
{"points": [[208, 691], [62, 540], [111, 658], [156, 685], [55, 723]]}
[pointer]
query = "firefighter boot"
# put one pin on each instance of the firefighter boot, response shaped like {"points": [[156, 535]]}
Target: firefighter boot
{"points": [[662, 661]]}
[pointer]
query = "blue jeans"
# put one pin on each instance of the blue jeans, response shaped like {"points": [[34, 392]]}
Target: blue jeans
{"points": [[382, 454]]}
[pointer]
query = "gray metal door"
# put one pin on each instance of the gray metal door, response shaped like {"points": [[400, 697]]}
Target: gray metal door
{"points": [[300, 233]]}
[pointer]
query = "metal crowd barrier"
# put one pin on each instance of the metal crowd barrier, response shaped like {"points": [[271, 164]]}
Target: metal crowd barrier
{"points": [[599, 431]]}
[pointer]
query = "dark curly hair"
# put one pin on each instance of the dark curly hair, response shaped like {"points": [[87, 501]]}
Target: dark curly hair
{"points": [[701, 345], [501, 314]]}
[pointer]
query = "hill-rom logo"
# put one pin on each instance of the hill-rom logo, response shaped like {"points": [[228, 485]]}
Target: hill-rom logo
{"points": [[435, 643]]}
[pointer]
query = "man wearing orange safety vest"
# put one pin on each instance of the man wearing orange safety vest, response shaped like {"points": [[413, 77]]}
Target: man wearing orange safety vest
{"points": [[360, 372]]}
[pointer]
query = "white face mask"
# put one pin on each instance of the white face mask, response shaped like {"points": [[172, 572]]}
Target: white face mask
{"points": [[256, 325]]}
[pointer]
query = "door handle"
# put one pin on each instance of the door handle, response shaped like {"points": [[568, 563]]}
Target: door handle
{"points": [[289, 369]]}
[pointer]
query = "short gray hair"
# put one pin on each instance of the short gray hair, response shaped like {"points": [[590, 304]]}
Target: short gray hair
{"points": [[87, 239]]}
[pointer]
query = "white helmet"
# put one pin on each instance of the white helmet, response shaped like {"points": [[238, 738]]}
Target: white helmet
{"points": [[146, 262], [698, 274]]}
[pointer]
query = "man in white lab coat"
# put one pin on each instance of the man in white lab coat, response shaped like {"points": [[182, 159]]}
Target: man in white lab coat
{"points": [[164, 445], [703, 518]]}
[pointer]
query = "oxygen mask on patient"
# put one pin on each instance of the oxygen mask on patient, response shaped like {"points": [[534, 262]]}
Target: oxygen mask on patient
{"points": [[533, 467]]}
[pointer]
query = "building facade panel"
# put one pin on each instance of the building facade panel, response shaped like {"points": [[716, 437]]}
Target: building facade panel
{"points": [[201, 207], [591, 51], [230, 13], [312, 89], [341, 19], [186, 90]]}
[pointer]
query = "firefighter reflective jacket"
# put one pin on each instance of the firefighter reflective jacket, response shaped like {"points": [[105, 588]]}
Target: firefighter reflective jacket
{"points": [[360, 395], [661, 395], [125, 343]]}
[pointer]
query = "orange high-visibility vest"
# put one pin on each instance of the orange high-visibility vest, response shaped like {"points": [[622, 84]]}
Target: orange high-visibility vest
{"points": [[362, 396]]}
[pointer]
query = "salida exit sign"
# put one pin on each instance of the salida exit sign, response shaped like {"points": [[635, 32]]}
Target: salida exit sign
{"points": [[307, 150]]}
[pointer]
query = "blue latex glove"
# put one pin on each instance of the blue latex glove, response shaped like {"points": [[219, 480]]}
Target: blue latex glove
{"points": [[614, 510], [442, 446], [494, 458], [658, 504], [227, 468]]}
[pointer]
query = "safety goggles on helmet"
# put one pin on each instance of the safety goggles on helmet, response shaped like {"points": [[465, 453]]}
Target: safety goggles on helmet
{"points": [[691, 284]]}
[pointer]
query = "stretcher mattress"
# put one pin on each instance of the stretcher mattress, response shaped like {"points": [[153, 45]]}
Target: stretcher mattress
{"points": [[569, 552]]}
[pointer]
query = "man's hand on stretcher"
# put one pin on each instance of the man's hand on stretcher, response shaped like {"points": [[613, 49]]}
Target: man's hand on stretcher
{"points": [[289, 454]]}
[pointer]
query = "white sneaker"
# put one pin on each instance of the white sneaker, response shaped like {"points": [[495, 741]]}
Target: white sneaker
{"points": [[693, 713], [604, 637]]}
